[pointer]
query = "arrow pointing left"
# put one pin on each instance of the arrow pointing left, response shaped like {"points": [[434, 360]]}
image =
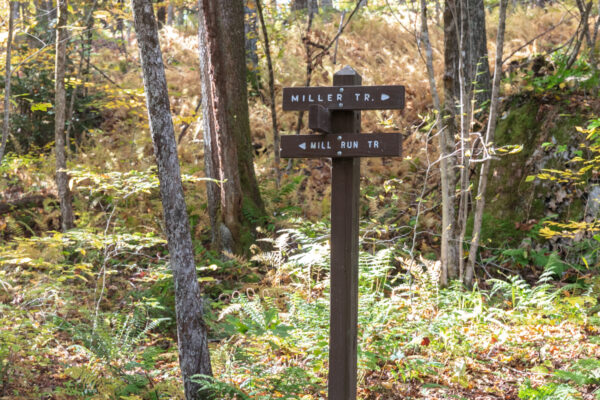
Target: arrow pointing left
{"points": [[302, 146]]}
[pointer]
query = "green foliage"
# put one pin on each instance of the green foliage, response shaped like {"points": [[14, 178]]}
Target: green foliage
{"points": [[583, 372], [115, 341], [523, 296], [557, 76], [550, 391], [33, 93]]}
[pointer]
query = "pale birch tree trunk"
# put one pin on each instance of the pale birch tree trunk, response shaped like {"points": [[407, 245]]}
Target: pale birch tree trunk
{"points": [[6, 125], [62, 178], [194, 357]]}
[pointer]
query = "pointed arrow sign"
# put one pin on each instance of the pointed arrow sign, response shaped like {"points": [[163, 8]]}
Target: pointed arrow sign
{"points": [[302, 146], [333, 98]]}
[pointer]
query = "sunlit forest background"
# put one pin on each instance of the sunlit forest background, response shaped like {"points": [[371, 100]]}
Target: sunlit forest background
{"points": [[88, 313]]}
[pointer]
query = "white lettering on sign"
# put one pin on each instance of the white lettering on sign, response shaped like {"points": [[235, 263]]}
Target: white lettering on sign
{"points": [[322, 145], [294, 98], [330, 97], [373, 144], [366, 97], [347, 144], [339, 97]]}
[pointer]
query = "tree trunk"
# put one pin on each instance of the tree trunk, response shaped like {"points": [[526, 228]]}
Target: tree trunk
{"points": [[161, 16], [313, 6], [6, 125], [194, 357], [170, 14], [489, 138], [228, 150], [251, 36], [62, 178], [479, 68], [298, 5], [449, 161], [466, 87], [276, 139]]}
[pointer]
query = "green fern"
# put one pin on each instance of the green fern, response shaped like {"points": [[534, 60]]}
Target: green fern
{"points": [[214, 389], [550, 391]]}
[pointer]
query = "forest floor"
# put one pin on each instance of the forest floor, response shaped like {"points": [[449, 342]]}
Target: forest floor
{"points": [[89, 313]]}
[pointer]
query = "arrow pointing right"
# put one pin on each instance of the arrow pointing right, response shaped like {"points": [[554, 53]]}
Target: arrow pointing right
{"points": [[384, 96], [302, 146]]}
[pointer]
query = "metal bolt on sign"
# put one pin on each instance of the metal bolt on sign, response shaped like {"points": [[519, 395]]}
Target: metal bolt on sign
{"points": [[335, 113]]}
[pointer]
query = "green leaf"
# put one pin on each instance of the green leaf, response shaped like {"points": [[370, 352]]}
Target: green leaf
{"points": [[41, 107]]}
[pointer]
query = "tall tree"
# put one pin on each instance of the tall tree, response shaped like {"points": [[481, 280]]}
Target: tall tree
{"points": [[298, 5], [276, 138], [228, 154], [62, 178], [489, 138], [479, 64], [194, 357], [448, 164], [251, 34], [467, 86], [6, 125]]}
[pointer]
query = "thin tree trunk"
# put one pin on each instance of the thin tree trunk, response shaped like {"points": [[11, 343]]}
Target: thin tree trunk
{"points": [[489, 138], [272, 99], [62, 178], [7, 80], [251, 39], [580, 37], [211, 159], [170, 14], [429, 63], [89, 23], [449, 162], [194, 357], [309, 70], [466, 78]]}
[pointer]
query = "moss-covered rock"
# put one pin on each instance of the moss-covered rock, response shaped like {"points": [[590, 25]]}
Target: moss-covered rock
{"points": [[545, 127]]}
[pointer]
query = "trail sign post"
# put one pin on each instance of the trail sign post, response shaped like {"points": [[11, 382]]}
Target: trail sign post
{"points": [[335, 112]]}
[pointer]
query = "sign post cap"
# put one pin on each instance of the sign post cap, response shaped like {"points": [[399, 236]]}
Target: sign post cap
{"points": [[347, 70]]}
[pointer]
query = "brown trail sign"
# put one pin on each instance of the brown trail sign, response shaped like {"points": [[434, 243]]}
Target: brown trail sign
{"points": [[334, 112], [344, 97], [342, 145]]}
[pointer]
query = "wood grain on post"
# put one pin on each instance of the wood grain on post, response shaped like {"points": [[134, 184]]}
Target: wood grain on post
{"points": [[345, 188]]}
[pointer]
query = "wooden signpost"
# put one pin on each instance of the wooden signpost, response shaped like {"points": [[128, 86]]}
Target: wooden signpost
{"points": [[335, 112]]}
